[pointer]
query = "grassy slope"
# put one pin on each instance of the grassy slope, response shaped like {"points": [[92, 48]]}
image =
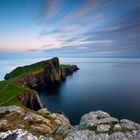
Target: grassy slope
{"points": [[9, 90]]}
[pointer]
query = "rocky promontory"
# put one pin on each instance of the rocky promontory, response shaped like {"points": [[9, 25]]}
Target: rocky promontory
{"points": [[22, 80], [43, 125]]}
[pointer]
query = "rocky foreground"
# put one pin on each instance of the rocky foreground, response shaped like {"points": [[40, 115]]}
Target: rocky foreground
{"points": [[17, 123]]}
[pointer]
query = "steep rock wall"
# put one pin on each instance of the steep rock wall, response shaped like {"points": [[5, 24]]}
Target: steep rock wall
{"points": [[31, 100]]}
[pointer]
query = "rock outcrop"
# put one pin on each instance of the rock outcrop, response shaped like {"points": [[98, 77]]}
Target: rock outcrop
{"points": [[43, 125], [100, 125], [15, 120]]}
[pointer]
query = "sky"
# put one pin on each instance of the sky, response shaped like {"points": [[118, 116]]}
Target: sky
{"points": [[79, 28]]}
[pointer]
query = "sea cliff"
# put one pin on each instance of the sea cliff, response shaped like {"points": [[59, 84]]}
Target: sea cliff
{"points": [[27, 77]]}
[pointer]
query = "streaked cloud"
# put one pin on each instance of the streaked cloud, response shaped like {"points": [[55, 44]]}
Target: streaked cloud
{"points": [[69, 26]]}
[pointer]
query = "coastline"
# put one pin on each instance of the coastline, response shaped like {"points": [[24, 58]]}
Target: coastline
{"points": [[36, 122]]}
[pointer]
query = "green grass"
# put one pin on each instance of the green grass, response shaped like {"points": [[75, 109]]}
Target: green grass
{"points": [[23, 71], [65, 66], [9, 92]]}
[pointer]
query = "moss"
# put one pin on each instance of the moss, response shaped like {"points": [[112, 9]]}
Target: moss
{"points": [[94, 128]]}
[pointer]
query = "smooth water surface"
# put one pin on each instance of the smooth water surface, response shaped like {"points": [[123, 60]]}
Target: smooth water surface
{"points": [[111, 85]]}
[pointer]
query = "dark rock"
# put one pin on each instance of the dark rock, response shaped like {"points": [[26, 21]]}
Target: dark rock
{"points": [[31, 100]]}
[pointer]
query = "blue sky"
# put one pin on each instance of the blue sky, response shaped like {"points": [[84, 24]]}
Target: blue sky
{"points": [[89, 28]]}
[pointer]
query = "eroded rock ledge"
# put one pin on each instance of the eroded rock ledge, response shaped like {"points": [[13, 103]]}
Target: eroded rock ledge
{"points": [[43, 125]]}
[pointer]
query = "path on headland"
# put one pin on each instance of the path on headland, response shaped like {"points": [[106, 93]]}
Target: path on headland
{"points": [[6, 86]]}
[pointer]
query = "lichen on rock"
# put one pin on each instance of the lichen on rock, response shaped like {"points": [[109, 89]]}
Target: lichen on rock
{"points": [[44, 125]]}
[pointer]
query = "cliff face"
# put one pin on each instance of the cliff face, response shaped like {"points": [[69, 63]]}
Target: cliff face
{"points": [[49, 71], [31, 100]]}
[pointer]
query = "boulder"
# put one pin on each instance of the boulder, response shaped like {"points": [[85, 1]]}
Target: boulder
{"points": [[43, 128], [5, 125], [117, 127], [103, 128], [12, 108], [60, 119], [32, 117], [43, 111], [94, 115], [63, 129], [129, 125], [81, 135], [117, 136]]}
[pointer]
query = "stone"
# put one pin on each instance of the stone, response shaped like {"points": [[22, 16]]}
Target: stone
{"points": [[92, 119], [12, 108], [63, 129], [117, 127], [42, 128], [117, 136], [81, 135], [96, 125], [94, 115], [45, 138], [95, 122], [129, 125], [60, 119], [31, 117], [23, 134], [103, 128], [103, 136], [4, 125], [43, 111]]}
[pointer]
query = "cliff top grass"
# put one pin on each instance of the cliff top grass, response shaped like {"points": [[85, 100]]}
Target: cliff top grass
{"points": [[10, 90], [20, 72]]}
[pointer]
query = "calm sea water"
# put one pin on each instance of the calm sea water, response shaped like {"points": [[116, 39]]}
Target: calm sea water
{"points": [[111, 85]]}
